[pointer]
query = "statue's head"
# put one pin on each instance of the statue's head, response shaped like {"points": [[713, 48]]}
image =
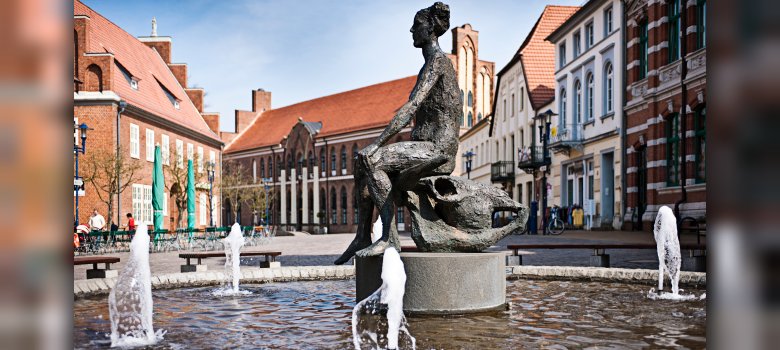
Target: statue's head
{"points": [[430, 23]]}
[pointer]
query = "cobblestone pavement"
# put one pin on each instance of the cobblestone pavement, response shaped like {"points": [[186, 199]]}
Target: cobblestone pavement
{"points": [[318, 250]]}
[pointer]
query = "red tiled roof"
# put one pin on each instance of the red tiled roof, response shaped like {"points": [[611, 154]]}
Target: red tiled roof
{"points": [[538, 55], [360, 109], [145, 64]]}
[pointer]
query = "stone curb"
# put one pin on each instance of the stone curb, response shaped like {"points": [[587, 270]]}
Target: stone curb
{"points": [[602, 274], [102, 286], [98, 286]]}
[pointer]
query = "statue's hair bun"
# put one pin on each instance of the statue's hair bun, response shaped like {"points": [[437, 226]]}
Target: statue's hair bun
{"points": [[440, 17]]}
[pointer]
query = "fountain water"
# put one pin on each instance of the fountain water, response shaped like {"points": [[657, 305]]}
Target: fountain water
{"points": [[233, 243], [130, 301], [391, 294], [669, 259]]}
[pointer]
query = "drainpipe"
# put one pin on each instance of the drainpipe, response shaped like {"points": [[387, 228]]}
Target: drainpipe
{"points": [[683, 110], [120, 109], [623, 119]]}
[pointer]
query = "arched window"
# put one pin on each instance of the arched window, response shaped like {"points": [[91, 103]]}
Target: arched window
{"points": [[589, 93], [479, 116], [343, 205], [343, 160], [471, 99], [93, 79], [278, 166], [262, 168], [324, 216], [254, 170], [608, 88], [333, 217], [322, 162], [332, 161], [311, 206], [470, 120], [577, 102], [311, 163], [562, 107], [354, 155], [299, 163]]}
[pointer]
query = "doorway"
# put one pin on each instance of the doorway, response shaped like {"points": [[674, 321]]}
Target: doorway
{"points": [[607, 187]]}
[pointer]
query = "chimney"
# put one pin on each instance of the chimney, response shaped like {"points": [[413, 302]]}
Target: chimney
{"points": [[162, 44], [196, 96], [179, 71], [261, 100], [212, 120]]}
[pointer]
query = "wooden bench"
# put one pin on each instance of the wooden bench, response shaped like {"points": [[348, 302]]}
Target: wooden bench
{"points": [[695, 262], [270, 259], [95, 272]]}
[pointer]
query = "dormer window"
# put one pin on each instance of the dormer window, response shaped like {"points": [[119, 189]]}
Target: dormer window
{"points": [[131, 80], [134, 84], [176, 104], [169, 94]]}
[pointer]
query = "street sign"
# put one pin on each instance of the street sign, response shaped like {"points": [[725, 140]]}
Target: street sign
{"points": [[78, 182]]}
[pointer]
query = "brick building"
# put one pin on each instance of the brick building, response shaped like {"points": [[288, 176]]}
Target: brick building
{"points": [[306, 150], [110, 65], [665, 109]]}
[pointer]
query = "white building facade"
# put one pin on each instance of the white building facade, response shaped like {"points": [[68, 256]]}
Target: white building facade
{"points": [[585, 136]]}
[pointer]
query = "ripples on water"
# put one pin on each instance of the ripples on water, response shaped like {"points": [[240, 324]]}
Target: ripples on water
{"points": [[317, 315]]}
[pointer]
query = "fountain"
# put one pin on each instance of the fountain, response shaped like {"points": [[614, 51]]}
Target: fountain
{"points": [[669, 259], [391, 294], [233, 243], [130, 301]]}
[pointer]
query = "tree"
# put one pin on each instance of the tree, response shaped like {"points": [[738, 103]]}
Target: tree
{"points": [[255, 198], [176, 181], [232, 184], [103, 166]]}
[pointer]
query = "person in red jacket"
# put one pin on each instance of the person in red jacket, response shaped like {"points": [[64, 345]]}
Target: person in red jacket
{"points": [[130, 222]]}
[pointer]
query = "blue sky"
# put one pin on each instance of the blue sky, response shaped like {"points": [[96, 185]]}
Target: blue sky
{"points": [[305, 49]]}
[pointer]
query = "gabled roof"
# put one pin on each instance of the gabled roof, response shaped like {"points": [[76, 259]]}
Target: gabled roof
{"points": [[365, 108], [538, 55], [145, 64]]}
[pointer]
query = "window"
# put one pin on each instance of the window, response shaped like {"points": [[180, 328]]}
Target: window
{"points": [[700, 140], [643, 50], [190, 152], [562, 55], [333, 216], [200, 159], [608, 88], [169, 94], [470, 119], [673, 150], [589, 35], [562, 107], [135, 152], [589, 93], [607, 21], [577, 47], [142, 204], [213, 158], [343, 160], [203, 209], [355, 217], [399, 215], [513, 105], [165, 204], [354, 155], [322, 162], [262, 168], [343, 206], [254, 170], [471, 99], [522, 98], [165, 149], [150, 145], [311, 164], [504, 109], [701, 23], [673, 11], [332, 161], [180, 153], [578, 102], [129, 77]]}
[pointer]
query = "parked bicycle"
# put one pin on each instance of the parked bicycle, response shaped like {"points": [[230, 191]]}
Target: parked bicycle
{"points": [[555, 226]]}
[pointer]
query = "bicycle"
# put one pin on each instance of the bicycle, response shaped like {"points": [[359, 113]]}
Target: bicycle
{"points": [[555, 226]]}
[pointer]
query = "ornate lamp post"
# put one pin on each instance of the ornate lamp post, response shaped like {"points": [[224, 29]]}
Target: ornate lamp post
{"points": [[468, 156], [210, 169], [77, 181], [544, 135]]}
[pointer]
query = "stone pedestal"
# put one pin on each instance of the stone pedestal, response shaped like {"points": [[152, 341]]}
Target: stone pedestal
{"points": [[514, 260], [194, 268], [442, 283], [101, 273]]}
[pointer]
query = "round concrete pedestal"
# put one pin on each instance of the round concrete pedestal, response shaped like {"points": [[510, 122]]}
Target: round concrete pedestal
{"points": [[442, 283]]}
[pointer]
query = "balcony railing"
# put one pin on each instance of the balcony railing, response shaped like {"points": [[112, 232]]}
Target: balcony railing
{"points": [[502, 171], [531, 158], [566, 136]]}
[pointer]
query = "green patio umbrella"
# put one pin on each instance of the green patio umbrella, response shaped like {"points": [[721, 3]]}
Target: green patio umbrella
{"points": [[190, 196], [158, 185]]}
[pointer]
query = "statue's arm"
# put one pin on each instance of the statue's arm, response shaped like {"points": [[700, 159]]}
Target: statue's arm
{"points": [[407, 111]]}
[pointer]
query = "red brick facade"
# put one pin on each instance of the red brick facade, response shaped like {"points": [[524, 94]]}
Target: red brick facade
{"points": [[665, 160]]}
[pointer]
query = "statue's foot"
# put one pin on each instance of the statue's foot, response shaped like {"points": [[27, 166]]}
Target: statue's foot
{"points": [[377, 248], [350, 252]]}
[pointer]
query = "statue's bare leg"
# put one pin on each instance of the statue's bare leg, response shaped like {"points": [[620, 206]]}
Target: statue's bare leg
{"points": [[365, 214], [395, 158]]}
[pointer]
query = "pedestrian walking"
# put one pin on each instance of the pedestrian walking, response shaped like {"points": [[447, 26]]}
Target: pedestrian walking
{"points": [[130, 222]]}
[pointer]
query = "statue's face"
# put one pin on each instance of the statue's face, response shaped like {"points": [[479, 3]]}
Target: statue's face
{"points": [[421, 30]]}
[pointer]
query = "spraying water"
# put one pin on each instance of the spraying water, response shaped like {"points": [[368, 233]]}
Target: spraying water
{"points": [[669, 259], [233, 243], [391, 294], [130, 301]]}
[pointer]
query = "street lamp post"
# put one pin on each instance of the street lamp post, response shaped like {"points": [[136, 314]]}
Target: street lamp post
{"points": [[544, 134], [266, 187], [210, 169], [468, 156], [77, 181]]}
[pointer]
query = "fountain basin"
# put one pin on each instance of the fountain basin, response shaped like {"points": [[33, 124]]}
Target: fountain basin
{"points": [[435, 281]]}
